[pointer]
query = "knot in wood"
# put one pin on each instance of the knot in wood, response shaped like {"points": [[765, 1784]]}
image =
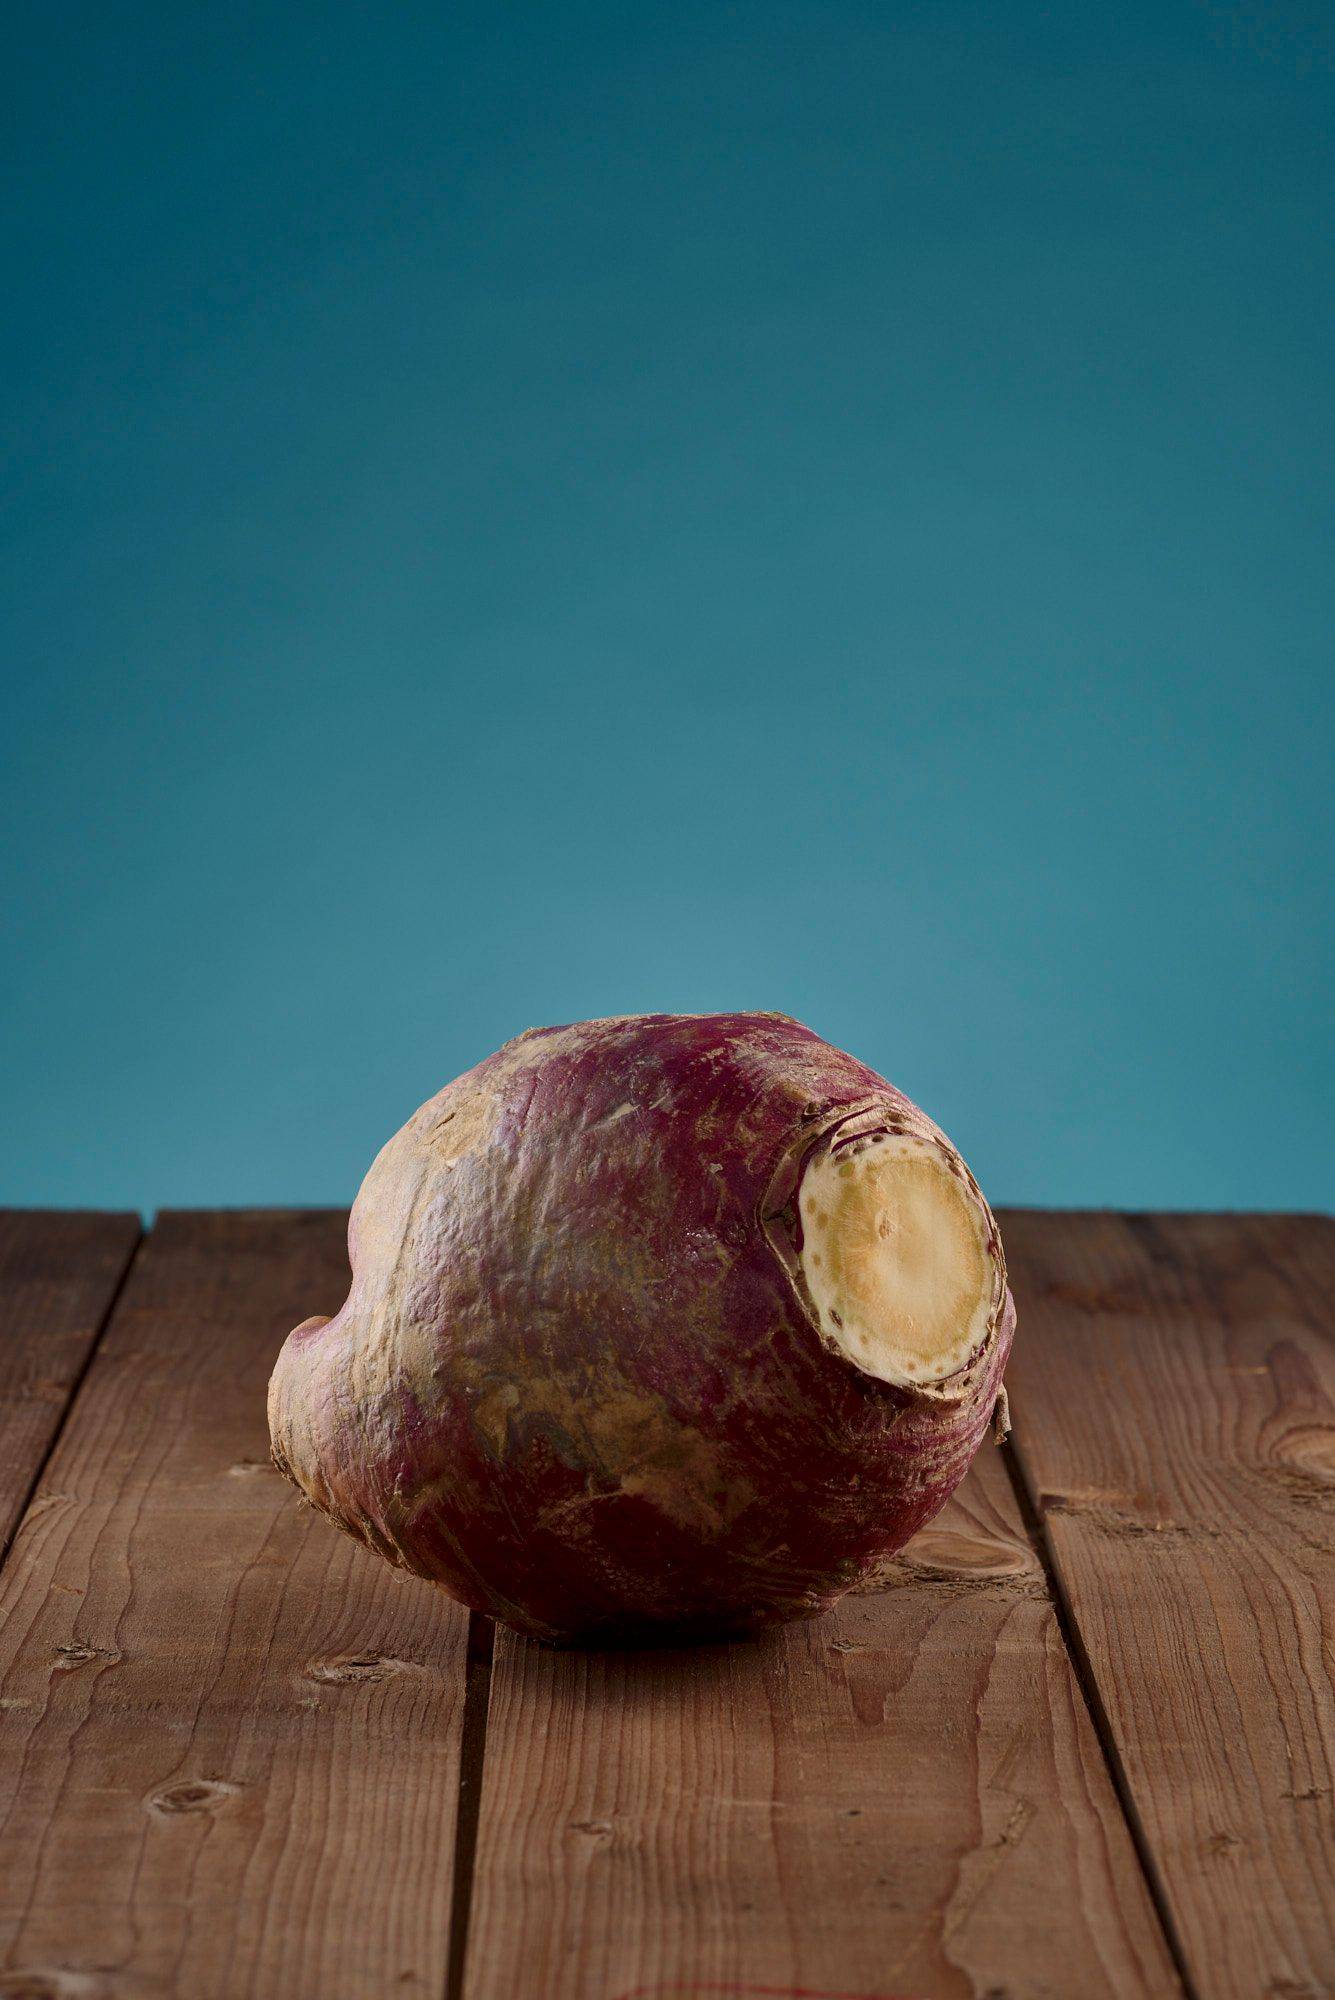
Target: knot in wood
{"points": [[194, 1795], [348, 1668], [76, 1654]]}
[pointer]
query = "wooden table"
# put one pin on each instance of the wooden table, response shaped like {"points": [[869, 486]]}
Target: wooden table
{"points": [[1081, 1745]]}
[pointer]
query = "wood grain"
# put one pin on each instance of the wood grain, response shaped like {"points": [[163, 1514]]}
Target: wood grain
{"points": [[906, 1797], [228, 1737], [230, 1741], [59, 1271], [1174, 1399]]}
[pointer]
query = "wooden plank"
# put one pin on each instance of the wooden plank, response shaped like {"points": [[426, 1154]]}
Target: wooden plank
{"points": [[1174, 1395], [231, 1738], [905, 1797], [59, 1272]]}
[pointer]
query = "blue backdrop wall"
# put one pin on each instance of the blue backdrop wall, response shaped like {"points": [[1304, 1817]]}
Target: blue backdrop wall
{"points": [[517, 512]]}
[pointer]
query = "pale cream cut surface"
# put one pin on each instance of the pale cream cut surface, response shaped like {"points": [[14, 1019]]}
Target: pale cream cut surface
{"points": [[896, 1259]]}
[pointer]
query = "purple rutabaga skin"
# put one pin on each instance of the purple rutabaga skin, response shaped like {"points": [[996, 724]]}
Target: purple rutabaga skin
{"points": [[578, 1381]]}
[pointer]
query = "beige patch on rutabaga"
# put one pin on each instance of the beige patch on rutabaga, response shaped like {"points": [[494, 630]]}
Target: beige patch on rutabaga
{"points": [[630, 1438]]}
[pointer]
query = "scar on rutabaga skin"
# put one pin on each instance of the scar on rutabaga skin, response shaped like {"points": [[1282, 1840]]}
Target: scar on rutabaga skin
{"points": [[667, 1322]]}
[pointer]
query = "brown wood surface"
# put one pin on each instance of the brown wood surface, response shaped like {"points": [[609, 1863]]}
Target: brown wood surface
{"points": [[1174, 1398], [906, 1797], [59, 1271], [229, 1739], [235, 1749]]}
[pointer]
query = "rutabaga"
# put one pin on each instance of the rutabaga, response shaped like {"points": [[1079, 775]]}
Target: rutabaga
{"points": [[669, 1322]]}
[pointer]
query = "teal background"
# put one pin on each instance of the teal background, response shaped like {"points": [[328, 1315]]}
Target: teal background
{"points": [[520, 512]]}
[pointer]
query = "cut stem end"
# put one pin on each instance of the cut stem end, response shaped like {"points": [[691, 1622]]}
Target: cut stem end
{"points": [[897, 1257]]}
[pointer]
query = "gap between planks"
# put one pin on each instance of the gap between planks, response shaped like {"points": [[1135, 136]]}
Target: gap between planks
{"points": [[1190, 1530], [77, 1381], [473, 1752], [472, 1759], [1083, 1674], [200, 1822]]}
